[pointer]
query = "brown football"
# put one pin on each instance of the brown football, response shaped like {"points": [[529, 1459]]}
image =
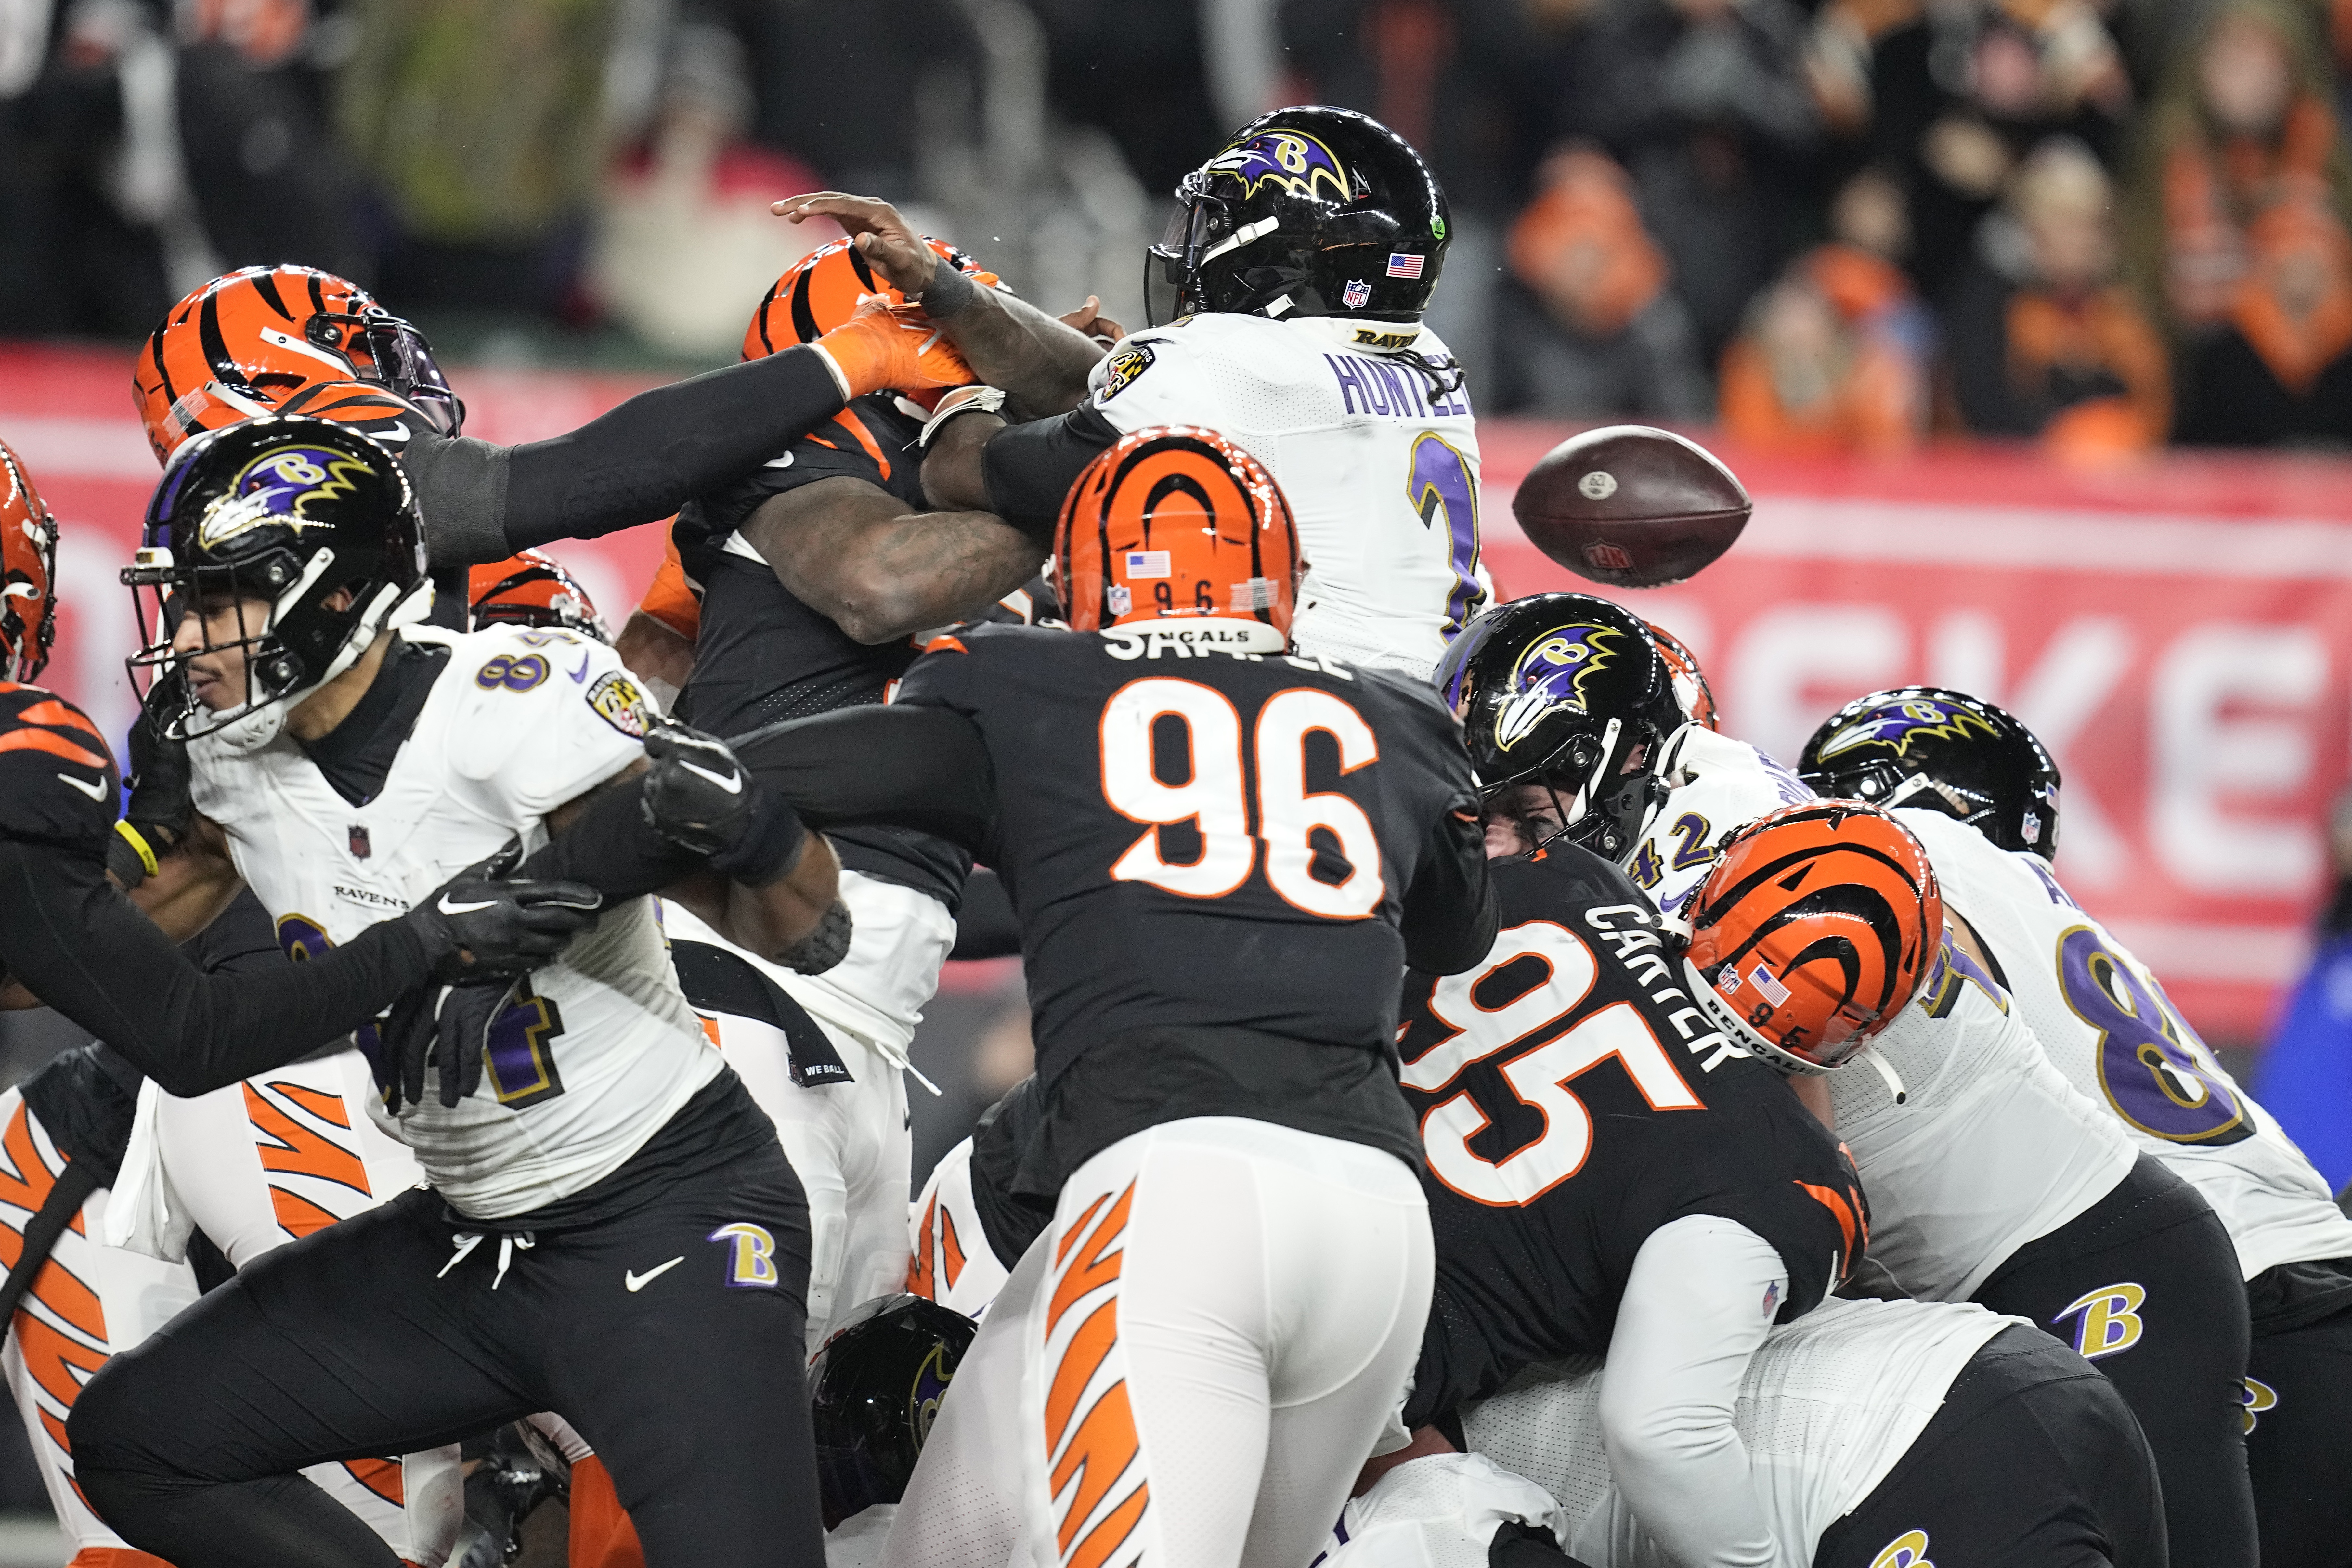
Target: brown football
{"points": [[1632, 507]]}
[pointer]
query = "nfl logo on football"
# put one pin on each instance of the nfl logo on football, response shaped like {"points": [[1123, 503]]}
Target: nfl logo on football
{"points": [[1354, 294]]}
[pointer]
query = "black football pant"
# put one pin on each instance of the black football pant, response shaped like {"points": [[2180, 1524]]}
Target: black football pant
{"points": [[2299, 1444], [2032, 1461], [2146, 1285], [365, 1338]]}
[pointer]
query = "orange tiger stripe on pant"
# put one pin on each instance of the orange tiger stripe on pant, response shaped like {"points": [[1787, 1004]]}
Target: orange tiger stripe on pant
{"points": [[1092, 1454]]}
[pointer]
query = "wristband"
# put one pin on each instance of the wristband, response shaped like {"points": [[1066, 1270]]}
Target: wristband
{"points": [[961, 400], [833, 365], [950, 293], [145, 852]]}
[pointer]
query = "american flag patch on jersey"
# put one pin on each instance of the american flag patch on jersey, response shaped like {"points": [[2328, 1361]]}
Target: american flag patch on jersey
{"points": [[1403, 266]]}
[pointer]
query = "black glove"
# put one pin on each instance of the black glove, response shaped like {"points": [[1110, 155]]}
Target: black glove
{"points": [[162, 806], [479, 926], [698, 795], [446, 1027]]}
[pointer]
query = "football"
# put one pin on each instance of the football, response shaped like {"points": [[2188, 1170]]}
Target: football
{"points": [[1632, 507]]}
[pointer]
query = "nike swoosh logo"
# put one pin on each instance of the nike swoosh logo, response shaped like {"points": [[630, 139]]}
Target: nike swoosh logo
{"points": [[449, 909], [581, 674], [637, 1282], [97, 791], [395, 431], [731, 783]]}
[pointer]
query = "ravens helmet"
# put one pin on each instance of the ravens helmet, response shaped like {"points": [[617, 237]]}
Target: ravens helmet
{"points": [[28, 573], [294, 513], [249, 340], [878, 1384], [1567, 690], [1306, 212], [1946, 750]]}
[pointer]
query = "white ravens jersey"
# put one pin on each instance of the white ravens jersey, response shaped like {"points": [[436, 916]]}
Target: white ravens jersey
{"points": [[602, 1049], [1828, 1406], [2107, 1025], [1716, 786], [1968, 1143], [1380, 464]]}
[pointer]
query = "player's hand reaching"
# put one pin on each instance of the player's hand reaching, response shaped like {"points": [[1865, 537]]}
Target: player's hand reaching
{"points": [[479, 925], [445, 1028], [1088, 319], [161, 808], [698, 796], [881, 235], [885, 347]]}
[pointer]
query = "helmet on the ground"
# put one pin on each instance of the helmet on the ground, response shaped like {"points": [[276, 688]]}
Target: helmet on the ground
{"points": [[292, 512], [876, 1388], [531, 588], [821, 290], [1931, 747], [28, 573], [1306, 212], [1816, 926], [1696, 696], [1566, 691], [249, 340], [1178, 524]]}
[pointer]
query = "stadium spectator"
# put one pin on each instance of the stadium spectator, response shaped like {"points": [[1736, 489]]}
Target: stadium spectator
{"points": [[1609, 337], [2307, 1072], [2240, 224], [1703, 102], [2044, 342], [1959, 93]]}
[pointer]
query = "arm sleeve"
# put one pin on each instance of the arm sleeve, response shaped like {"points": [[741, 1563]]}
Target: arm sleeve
{"points": [[1030, 468], [1450, 911], [1699, 1303], [79, 945], [636, 463]]}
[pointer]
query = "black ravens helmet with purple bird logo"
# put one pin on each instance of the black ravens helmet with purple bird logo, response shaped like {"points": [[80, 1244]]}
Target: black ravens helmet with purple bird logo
{"points": [[1306, 212], [1566, 691], [875, 1390], [1941, 750]]}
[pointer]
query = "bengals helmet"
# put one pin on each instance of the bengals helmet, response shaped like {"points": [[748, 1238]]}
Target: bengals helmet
{"points": [[1940, 750], [28, 573], [531, 588], [245, 343], [821, 290], [875, 1390], [1696, 696], [1565, 690], [1816, 926], [1176, 524]]}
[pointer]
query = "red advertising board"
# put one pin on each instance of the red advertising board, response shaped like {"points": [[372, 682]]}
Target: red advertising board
{"points": [[2181, 631]]}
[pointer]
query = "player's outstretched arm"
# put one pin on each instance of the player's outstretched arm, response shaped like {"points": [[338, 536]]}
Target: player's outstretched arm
{"points": [[1039, 361], [1451, 911], [852, 551]]}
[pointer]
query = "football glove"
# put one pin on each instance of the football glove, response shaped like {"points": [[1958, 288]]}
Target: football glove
{"points": [[162, 805], [699, 796], [443, 1026], [885, 347], [479, 925]]}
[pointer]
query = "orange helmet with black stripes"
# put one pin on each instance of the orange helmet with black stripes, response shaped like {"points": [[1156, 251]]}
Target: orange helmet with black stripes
{"points": [[28, 573], [249, 340], [531, 588], [1692, 693], [1176, 524], [821, 290], [1817, 925]]}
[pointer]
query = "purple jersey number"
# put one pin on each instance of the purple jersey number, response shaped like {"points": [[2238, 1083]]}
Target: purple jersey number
{"points": [[1441, 481], [2151, 1062]]}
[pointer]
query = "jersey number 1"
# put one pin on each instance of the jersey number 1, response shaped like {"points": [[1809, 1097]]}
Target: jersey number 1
{"points": [[1214, 794]]}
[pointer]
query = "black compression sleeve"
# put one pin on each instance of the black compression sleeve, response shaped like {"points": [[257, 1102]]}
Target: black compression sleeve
{"points": [[77, 943], [903, 765], [1029, 469], [613, 849], [642, 461], [986, 926], [1451, 911]]}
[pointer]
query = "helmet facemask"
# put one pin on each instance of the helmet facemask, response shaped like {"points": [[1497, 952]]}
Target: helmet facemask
{"points": [[382, 348], [1598, 801]]}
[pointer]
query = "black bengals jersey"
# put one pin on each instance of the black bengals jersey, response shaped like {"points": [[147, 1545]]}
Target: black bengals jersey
{"points": [[1219, 865], [762, 657], [1572, 1100]]}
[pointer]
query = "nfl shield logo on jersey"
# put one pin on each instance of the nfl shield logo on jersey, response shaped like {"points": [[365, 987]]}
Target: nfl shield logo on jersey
{"points": [[1354, 294]]}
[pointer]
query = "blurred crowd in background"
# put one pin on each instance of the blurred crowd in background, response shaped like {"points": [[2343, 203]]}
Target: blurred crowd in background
{"points": [[1832, 225]]}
